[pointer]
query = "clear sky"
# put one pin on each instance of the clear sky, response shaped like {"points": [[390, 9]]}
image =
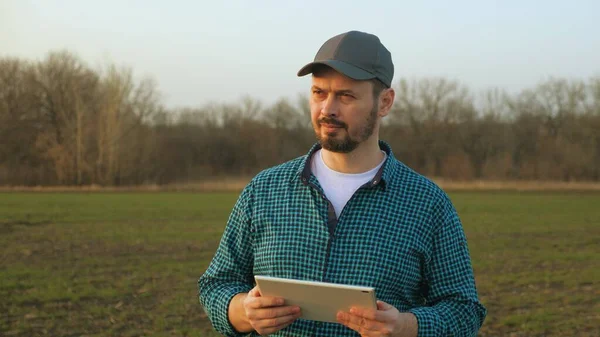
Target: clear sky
{"points": [[202, 51]]}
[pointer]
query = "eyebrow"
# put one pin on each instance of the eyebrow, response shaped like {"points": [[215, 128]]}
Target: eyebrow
{"points": [[338, 92]]}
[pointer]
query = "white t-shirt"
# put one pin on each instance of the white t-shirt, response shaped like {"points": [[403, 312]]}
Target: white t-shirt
{"points": [[339, 187]]}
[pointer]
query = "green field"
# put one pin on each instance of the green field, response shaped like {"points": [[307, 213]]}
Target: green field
{"points": [[127, 264]]}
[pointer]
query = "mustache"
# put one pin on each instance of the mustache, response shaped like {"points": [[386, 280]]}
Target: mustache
{"points": [[332, 121]]}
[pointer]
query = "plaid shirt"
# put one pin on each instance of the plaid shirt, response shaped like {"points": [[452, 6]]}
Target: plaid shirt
{"points": [[399, 233]]}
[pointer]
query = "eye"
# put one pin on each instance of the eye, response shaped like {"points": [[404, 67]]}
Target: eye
{"points": [[318, 93], [347, 97]]}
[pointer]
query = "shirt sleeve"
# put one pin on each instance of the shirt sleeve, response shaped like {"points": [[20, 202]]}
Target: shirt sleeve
{"points": [[230, 271], [452, 305]]}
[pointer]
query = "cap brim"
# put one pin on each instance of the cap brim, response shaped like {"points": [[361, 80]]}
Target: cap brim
{"points": [[341, 67]]}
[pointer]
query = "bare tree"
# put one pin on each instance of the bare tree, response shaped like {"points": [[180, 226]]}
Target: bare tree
{"points": [[62, 122], [482, 133], [591, 126], [66, 90], [19, 126], [430, 108]]}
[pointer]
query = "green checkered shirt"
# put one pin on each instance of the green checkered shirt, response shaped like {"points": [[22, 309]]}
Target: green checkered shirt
{"points": [[399, 233]]}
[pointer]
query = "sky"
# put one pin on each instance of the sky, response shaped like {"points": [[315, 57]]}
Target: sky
{"points": [[220, 51]]}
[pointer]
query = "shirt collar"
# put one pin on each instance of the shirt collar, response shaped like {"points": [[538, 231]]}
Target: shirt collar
{"points": [[381, 178]]}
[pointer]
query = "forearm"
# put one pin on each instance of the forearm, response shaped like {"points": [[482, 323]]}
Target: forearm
{"points": [[229, 273], [237, 314], [217, 296], [449, 319]]}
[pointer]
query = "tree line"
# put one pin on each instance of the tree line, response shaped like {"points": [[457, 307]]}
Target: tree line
{"points": [[63, 122]]}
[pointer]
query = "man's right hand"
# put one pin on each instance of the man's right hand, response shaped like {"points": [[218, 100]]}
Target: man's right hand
{"points": [[265, 315]]}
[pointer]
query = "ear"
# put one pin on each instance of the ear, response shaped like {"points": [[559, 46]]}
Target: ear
{"points": [[386, 101]]}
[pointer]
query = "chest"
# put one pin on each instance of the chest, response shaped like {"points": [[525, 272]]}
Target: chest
{"points": [[379, 245]]}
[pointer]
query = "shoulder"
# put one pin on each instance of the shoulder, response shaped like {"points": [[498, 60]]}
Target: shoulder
{"points": [[279, 175], [407, 185], [420, 194], [424, 198], [268, 183], [407, 181]]}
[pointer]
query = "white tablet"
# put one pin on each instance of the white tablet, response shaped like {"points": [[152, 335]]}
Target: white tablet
{"points": [[318, 301]]}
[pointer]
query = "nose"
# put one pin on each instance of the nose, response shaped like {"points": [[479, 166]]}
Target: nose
{"points": [[329, 106]]}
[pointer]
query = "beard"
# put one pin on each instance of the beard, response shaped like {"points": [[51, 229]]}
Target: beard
{"points": [[347, 143]]}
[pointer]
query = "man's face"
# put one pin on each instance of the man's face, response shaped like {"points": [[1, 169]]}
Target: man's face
{"points": [[344, 113]]}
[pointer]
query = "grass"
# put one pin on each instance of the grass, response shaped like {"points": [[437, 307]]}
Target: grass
{"points": [[127, 264]]}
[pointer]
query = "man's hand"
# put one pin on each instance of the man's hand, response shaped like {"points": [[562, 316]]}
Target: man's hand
{"points": [[385, 321], [268, 315]]}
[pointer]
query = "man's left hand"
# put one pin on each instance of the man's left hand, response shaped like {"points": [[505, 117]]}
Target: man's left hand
{"points": [[385, 321]]}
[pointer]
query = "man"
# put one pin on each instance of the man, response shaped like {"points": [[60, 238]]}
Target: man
{"points": [[348, 212]]}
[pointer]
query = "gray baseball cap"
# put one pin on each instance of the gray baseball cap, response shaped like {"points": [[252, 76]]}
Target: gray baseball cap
{"points": [[358, 55]]}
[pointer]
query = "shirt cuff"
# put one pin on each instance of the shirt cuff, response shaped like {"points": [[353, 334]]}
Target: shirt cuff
{"points": [[429, 322], [220, 316]]}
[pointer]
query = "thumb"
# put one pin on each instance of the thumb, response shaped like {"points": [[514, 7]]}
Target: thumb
{"points": [[255, 292], [381, 305]]}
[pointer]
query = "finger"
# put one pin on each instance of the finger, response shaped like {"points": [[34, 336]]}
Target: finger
{"points": [[255, 292], [271, 330], [369, 314], [362, 330], [265, 302], [358, 323], [276, 321], [274, 312], [381, 305]]}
